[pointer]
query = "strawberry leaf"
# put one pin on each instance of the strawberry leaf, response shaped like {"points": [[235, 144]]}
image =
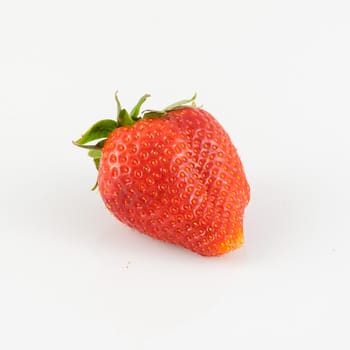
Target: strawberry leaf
{"points": [[150, 114], [183, 103], [99, 130], [97, 163], [95, 186], [95, 153], [124, 118], [136, 110]]}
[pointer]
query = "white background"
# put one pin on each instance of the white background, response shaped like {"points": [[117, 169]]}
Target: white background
{"points": [[276, 74]]}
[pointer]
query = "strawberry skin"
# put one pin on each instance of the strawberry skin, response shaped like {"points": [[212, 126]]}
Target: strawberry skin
{"points": [[177, 178], [174, 175]]}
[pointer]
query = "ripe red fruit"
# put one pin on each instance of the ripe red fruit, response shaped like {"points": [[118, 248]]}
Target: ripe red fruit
{"points": [[173, 175]]}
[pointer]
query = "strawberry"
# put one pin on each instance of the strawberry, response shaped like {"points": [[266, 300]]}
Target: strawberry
{"points": [[172, 174]]}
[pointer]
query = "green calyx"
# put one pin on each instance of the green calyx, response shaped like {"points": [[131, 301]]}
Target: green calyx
{"points": [[177, 105], [95, 137]]}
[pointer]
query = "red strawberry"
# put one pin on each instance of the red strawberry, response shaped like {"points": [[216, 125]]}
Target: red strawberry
{"points": [[172, 174]]}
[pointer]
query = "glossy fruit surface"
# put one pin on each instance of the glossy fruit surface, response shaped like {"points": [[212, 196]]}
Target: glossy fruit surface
{"points": [[176, 176]]}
